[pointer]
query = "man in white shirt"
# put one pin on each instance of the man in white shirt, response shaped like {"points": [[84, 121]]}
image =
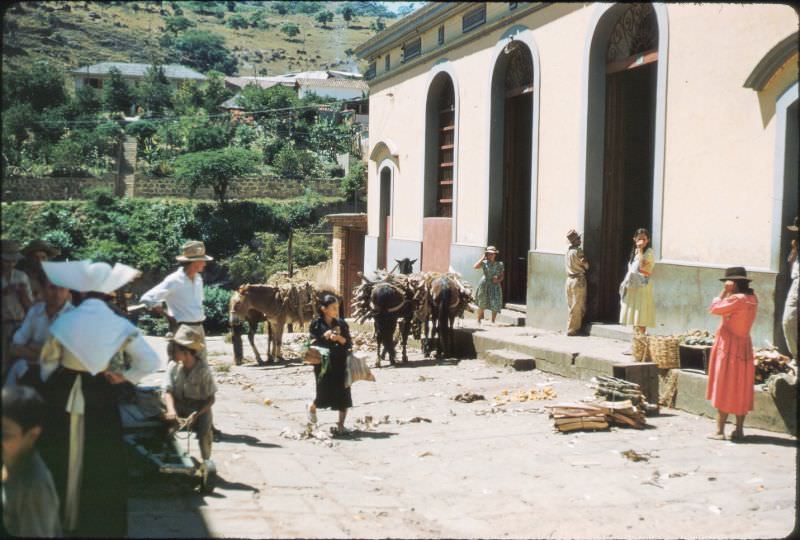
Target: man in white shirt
{"points": [[16, 290], [26, 345], [182, 290]]}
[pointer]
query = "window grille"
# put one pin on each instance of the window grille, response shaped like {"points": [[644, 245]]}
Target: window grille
{"points": [[412, 49], [473, 19]]}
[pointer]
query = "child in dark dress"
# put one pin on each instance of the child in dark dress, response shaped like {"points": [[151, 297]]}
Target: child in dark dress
{"points": [[331, 333]]}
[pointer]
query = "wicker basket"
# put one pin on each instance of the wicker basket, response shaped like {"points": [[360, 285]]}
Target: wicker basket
{"points": [[639, 346], [664, 351]]}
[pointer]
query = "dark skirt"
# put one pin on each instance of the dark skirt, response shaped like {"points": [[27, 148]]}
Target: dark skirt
{"points": [[331, 391], [103, 510]]}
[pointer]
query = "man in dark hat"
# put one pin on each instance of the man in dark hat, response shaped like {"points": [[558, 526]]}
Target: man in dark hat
{"points": [[576, 265], [790, 309], [16, 297], [36, 252]]}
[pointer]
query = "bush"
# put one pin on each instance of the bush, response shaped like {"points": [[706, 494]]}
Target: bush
{"points": [[67, 158], [293, 163], [355, 182], [217, 169], [204, 51], [215, 302], [152, 325], [237, 22], [207, 137]]}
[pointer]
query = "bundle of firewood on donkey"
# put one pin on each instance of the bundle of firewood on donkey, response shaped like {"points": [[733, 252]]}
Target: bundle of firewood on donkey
{"points": [[617, 402]]}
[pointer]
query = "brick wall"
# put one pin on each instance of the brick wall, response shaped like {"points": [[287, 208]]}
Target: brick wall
{"points": [[16, 188], [275, 188]]}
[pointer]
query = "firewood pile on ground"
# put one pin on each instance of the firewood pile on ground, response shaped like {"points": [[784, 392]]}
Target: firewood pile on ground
{"points": [[770, 362], [617, 402]]}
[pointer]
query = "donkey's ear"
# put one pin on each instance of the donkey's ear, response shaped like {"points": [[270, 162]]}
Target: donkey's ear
{"points": [[398, 261], [413, 261]]}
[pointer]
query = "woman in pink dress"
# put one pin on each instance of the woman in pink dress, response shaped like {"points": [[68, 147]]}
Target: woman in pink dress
{"points": [[731, 369]]}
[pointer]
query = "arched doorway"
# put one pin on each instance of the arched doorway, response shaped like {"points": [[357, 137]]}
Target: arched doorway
{"points": [[439, 183], [384, 216], [623, 69], [510, 165], [789, 211]]}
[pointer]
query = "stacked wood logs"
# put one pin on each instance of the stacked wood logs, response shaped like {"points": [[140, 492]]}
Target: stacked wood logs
{"points": [[769, 362], [416, 289], [614, 389], [573, 416]]}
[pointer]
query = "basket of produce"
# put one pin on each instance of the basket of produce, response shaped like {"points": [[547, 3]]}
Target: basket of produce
{"points": [[640, 350], [664, 351], [769, 362], [698, 338]]}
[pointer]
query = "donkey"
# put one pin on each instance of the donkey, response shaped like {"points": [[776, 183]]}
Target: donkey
{"points": [[269, 302], [444, 295], [252, 317], [389, 304], [404, 266]]}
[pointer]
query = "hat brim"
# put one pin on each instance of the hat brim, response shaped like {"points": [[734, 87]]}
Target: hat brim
{"points": [[188, 344], [735, 278], [13, 257], [51, 251], [793, 228], [181, 258]]}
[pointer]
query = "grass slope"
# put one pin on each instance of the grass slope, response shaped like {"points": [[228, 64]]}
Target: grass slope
{"points": [[71, 34]]}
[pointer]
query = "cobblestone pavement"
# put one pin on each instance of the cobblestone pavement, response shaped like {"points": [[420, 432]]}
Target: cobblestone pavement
{"points": [[427, 466]]}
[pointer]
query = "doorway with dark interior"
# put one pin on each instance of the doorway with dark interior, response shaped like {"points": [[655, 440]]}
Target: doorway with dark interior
{"points": [[620, 201], [510, 166], [384, 216]]}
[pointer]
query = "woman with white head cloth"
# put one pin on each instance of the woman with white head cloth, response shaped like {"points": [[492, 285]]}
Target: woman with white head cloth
{"points": [[82, 439]]}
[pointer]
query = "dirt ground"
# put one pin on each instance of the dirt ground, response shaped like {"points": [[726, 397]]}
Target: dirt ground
{"points": [[420, 464]]}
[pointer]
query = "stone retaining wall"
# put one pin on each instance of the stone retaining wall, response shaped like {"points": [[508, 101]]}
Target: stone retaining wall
{"points": [[275, 188], [16, 188]]}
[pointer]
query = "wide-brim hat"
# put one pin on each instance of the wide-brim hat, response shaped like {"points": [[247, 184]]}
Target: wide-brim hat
{"points": [[573, 235], [88, 276], [735, 273], [491, 249], [793, 227], [188, 337], [193, 250], [11, 251], [41, 245]]}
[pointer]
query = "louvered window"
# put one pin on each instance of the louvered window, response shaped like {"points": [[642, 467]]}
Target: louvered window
{"points": [[412, 49], [441, 35], [387, 63], [473, 19]]}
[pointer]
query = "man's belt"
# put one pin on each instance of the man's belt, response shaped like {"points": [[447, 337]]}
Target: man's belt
{"points": [[198, 323]]}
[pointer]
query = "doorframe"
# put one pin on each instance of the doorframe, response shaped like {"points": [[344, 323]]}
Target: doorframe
{"points": [[592, 119], [525, 35], [786, 100], [447, 67], [389, 165]]}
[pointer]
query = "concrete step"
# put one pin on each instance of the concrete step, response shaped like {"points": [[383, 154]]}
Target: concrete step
{"points": [[505, 316], [520, 308], [611, 331], [503, 357]]}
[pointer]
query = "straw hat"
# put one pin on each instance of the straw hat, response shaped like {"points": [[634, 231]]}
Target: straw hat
{"points": [[188, 337], [735, 273], [86, 276], [573, 235], [40, 245], [491, 249], [11, 251], [193, 250]]}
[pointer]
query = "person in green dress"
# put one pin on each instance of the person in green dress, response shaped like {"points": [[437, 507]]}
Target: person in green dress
{"points": [[489, 294]]}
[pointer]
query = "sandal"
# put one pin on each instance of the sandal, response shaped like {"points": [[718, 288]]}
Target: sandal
{"points": [[736, 436], [716, 436]]}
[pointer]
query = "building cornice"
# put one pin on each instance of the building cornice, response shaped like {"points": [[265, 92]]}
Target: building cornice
{"points": [[460, 41], [771, 62]]}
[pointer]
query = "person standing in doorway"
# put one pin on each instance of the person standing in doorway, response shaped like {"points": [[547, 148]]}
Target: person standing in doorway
{"points": [[637, 308], [576, 266], [489, 294], [790, 309], [731, 368]]}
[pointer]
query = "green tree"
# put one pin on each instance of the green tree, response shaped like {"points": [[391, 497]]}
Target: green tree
{"points": [[237, 22], [208, 137], [117, 93], [347, 15], [355, 182], [217, 169], [290, 29], [41, 85], [378, 25], [87, 101], [204, 51], [155, 93], [293, 163], [215, 92], [281, 8], [255, 98], [177, 24], [188, 98], [324, 17]]}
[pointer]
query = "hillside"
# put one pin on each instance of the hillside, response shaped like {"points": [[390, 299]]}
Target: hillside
{"points": [[70, 34]]}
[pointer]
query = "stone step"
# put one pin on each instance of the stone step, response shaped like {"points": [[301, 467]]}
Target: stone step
{"points": [[611, 331], [505, 316], [504, 357], [520, 308]]}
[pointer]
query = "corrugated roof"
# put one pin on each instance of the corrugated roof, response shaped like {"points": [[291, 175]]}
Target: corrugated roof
{"points": [[335, 83], [263, 82], [171, 71]]}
